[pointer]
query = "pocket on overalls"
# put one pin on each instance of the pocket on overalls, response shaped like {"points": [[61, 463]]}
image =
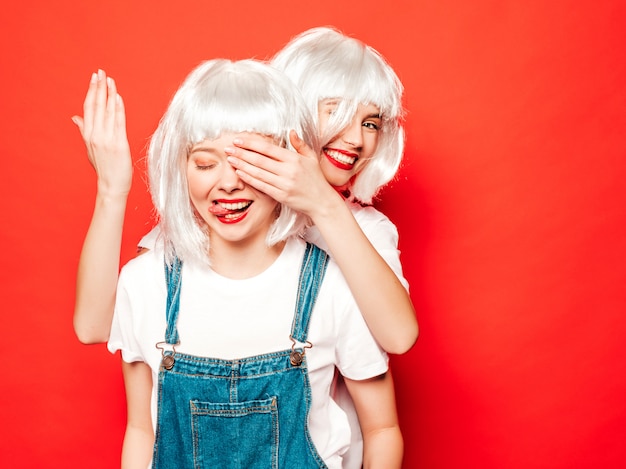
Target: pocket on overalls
{"points": [[235, 434]]}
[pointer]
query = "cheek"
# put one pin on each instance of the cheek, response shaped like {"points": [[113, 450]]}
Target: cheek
{"points": [[273, 206], [195, 184], [370, 143], [360, 166], [322, 122]]}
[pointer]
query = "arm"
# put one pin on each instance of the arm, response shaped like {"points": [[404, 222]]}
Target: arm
{"points": [[103, 129], [139, 436], [375, 405], [297, 180]]}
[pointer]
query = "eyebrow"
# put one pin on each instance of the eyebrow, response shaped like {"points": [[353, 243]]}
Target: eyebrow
{"points": [[205, 149], [335, 102]]}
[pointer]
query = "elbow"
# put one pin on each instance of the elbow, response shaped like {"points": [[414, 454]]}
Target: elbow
{"points": [[89, 338], [89, 335], [405, 341]]}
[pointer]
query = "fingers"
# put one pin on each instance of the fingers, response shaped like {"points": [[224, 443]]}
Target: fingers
{"points": [[255, 168], [79, 123], [260, 145], [100, 100], [300, 145], [103, 110], [88, 106], [111, 103], [262, 186], [248, 159], [120, 116]]}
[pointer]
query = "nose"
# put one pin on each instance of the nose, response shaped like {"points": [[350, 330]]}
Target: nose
{"points": [[353, 134], [229, 180]]}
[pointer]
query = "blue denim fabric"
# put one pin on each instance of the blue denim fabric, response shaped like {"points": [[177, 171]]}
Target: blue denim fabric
{"points": [[249, 413]]}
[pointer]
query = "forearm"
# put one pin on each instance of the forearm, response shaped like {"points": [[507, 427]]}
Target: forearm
{"points": [[139, 436], [375, 404], [381, 297], [103, 128], [98, 270], [137, 449], [383, 449]]}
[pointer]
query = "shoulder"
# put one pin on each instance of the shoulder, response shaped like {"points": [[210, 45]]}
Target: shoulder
{"points": [[378, 228], [148, 265], [368, 216], [149, 241]]}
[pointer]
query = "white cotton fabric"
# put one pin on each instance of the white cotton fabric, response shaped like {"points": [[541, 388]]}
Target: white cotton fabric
{"points": [[228, 319], [378, 229], [376, 226]]}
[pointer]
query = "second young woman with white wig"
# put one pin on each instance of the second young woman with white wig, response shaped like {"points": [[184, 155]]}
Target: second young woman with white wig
{"points": [[338, 76], [250, 322], [355, 98]]}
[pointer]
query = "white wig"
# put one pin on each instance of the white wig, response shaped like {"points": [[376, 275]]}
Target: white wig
{"points": [[327, 64], [220, 96]]}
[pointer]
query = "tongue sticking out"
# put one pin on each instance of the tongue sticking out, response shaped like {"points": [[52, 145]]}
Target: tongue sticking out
{"points": [[218, 210]]}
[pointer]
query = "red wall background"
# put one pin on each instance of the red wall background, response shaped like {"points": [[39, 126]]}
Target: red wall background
{"points": [[510, 206]]}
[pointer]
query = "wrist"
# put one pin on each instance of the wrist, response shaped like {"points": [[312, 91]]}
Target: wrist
{"points": [[330, 210], [111, 197], [108, 191]]}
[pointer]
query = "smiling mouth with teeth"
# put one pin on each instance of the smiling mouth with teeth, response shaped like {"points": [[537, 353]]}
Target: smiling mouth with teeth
{"points": [[340, 159], [230, 211]]}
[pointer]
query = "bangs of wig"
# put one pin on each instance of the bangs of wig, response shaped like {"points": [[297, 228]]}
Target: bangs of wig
{"points": [[326, 64], [231, 97]]}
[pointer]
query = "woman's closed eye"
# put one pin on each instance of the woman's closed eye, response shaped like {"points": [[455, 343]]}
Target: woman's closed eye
{"points": [[205, 166]]}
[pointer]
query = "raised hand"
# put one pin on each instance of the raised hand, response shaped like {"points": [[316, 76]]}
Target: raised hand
{"points": [[103, 128]]}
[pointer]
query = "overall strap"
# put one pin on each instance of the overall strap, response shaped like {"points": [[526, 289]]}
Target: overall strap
{"points": [[312, 273], [173, 274]]}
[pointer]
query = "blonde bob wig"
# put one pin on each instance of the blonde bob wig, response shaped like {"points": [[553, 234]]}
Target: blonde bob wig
{"points": [[325, 64], [220, 96]]}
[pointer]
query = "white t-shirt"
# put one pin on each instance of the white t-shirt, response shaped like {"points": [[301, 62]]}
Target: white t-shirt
{"points": [[378, 229], [228, 319], [383, 235]]}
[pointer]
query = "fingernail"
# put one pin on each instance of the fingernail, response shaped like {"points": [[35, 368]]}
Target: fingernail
{"points": [[100, 74], [229, 150], [74, 120], [94, 78], [237, 141], [109, 82]]}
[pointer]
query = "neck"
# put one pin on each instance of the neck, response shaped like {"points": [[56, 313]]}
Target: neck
{"points": [[243, 260], [344, 191]]}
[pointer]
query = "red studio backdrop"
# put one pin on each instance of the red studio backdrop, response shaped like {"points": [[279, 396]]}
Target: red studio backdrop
{"points": [[510, 206]]}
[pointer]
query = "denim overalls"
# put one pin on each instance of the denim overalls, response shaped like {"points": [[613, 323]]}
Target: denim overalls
{"points": [[249, 413]]}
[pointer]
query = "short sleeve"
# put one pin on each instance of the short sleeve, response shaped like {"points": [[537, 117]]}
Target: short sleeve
{"points": [[149, 240], [122, 335], [383, 235], [358, 355]]}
